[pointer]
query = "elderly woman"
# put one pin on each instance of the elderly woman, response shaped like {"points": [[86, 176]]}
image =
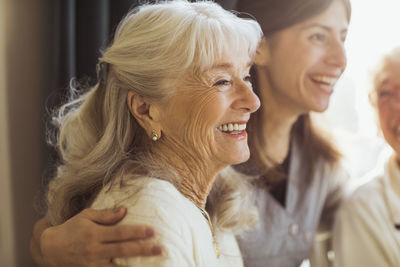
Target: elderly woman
{"points": [[168, 114], [367, 229]]}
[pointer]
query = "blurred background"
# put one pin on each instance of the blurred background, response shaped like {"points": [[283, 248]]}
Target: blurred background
{"points": [[45, 43]]}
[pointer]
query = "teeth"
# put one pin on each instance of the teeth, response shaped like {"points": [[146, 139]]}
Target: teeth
{"points": [[230, 127], [325, 79]]}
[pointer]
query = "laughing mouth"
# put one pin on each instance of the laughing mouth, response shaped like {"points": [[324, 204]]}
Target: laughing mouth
{"points": [[325, 80], [232, 128]]}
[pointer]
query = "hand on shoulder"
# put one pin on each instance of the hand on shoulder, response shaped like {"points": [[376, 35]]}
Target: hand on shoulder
{"points": [[90, 239]]}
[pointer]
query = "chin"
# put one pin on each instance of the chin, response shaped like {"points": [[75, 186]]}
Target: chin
{"points": [[240, 158], [319, 104], [320, 107]]}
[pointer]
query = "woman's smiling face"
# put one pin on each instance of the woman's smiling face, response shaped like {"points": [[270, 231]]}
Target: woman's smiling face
{"points": [[207, 115], [307, 59]]}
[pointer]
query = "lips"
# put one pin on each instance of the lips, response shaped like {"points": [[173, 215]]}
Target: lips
{"points": [[325, 82], [232, 128]]}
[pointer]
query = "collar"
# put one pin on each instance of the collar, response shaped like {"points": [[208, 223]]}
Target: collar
{"points": [[391, 183]]}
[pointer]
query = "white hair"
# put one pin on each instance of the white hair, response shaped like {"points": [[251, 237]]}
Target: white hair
{"points": [[99, 141], [391, 56]]}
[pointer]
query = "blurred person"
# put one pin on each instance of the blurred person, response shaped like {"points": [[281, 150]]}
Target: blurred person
{"points": [[168, 114], [367, 228]]}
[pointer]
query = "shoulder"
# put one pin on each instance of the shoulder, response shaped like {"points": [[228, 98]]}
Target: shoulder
{"points": [[152, 202], [137, 192], [333, 169], [335, 177], [359, 203], [157, 203], [365, 194], [334, 180], [145, 196]]}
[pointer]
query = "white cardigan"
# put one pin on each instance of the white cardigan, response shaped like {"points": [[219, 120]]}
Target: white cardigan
{"points": [[365, 233], [181, 229]]}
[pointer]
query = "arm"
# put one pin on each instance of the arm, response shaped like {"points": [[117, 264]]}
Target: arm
{"points": [[89, 239]]}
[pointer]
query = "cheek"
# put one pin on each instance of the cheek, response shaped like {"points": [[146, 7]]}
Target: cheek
{"points": [[384, 120], [202, 120], [291, 71], [303, 55]]}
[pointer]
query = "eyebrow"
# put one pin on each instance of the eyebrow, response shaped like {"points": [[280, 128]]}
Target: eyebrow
{"points": [[229, 65], [383, 83], [326, 28]]}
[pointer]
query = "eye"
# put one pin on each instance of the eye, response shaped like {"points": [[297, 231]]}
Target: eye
{"points": [[319, 37], [385, 93], [222, 83]]}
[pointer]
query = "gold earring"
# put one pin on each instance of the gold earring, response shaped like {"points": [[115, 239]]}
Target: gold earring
{"points": [[154, 135]]}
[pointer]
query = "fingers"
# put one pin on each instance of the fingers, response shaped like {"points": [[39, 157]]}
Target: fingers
{"points": [[114, 241], [125, 233], [105, 216], [130, 249]]}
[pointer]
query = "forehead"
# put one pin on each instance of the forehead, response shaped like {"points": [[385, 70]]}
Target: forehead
{"points": [[390, 73], [333, 16], [238, 60], [231, 64]]}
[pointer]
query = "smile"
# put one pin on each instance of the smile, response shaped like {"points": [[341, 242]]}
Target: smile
{"points": [[326, 80], [232, 128]]}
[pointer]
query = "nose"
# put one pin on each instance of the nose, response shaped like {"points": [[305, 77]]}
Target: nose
{"points": [[337, 55], [247, 100]]}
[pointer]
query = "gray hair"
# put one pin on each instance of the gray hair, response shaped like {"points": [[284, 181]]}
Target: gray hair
{"points": [[391, 56]]}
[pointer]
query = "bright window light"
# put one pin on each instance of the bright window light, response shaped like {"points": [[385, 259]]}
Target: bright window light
{"points": [[374, 30]]}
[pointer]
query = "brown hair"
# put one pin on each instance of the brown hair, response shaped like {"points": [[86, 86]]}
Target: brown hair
{"points": [[274, 16]]}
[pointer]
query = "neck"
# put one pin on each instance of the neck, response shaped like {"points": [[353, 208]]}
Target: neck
{"points": [[280, 116], [194, 176]]}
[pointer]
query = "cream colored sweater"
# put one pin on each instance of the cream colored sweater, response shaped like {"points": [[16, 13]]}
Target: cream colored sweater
{"points": [[180, 227], [365, 232]]}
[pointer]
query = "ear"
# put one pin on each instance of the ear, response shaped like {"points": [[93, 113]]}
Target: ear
{"points": [[262, 56], [146, 114]]}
